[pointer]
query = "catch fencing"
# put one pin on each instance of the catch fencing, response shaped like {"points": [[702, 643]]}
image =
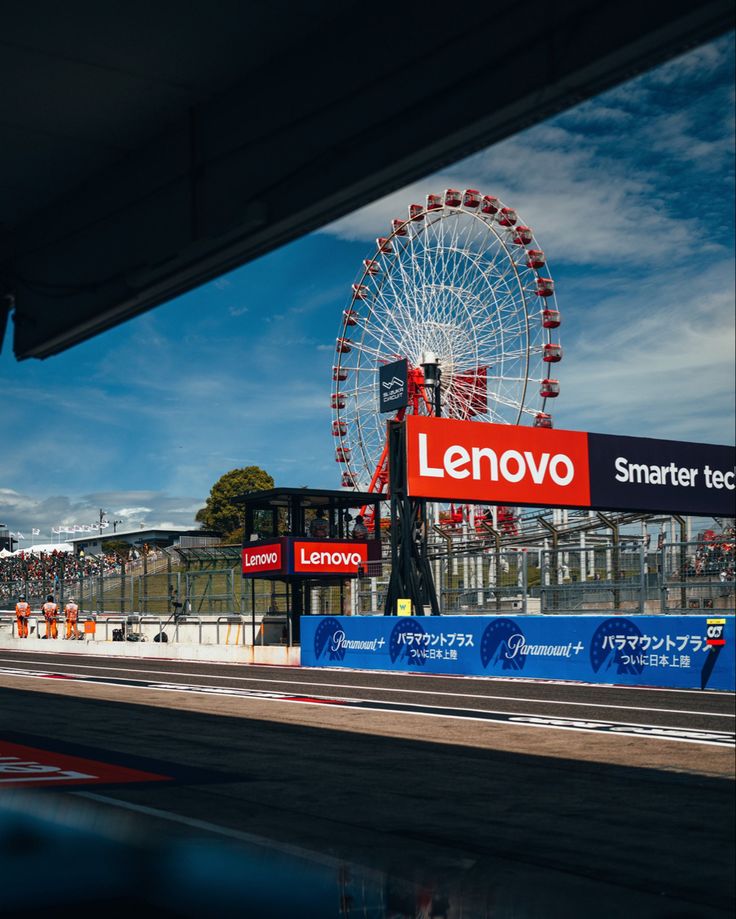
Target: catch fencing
{"points": [[628, 576], [674, 578]]}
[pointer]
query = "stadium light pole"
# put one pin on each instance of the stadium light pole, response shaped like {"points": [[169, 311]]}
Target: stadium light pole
{"points": [[432, 375]]}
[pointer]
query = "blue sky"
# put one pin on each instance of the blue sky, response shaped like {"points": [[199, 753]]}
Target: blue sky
{"points": [[630, 195]]}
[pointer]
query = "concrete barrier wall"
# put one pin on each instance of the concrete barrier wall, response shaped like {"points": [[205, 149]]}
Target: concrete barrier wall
{"points": [[206, 641], [243, 654]]}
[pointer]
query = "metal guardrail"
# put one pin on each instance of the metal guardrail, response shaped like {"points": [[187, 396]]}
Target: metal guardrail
{"points": [[134, 623], [238, 621]]}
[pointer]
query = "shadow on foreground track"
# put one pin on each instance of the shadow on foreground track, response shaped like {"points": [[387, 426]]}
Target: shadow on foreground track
{"points": [[522, 835]]}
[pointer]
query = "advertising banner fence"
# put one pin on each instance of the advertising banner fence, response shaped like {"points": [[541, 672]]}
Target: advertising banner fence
{"points": [[459, 461], [693, 652]]}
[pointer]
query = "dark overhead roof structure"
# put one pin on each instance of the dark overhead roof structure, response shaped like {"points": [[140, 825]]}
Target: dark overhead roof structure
{"points": [[274, 498], [150, 146]]}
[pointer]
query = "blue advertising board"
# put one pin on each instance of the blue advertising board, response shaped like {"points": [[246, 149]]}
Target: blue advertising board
{"points": [[689, 652]]}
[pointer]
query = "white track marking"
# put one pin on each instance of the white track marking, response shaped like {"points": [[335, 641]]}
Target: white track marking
{"points": [[582, 684], [208, 827], [523, 719], [241, 836], [464, 695], [330, 700]]}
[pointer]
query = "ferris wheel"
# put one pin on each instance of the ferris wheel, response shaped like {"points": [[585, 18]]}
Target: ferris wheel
{"points": [[461, 279]]}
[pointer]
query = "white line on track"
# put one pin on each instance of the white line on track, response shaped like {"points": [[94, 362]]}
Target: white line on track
{"points": [[464, 695], [241, 836], [515, 719], [208, 827], [488, 678], [483, 680], [329, 700], [522, 719], [582, 684]]}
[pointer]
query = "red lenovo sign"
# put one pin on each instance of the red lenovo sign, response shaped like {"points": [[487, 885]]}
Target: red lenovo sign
{"points": [[450, 460], [496, 463], [267, 557], [319, 558]]}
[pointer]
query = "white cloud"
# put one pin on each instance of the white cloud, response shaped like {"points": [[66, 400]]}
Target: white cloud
{"points": [[587, 210], [699, 63], [601, 183], [668, 372], [133, 511]]}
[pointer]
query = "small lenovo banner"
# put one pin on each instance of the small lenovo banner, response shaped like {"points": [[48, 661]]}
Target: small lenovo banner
{"points": [[263, 557], [506, 464], [320, 558]]}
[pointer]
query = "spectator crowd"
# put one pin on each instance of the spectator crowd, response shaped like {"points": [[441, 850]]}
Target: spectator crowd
{"points": [[38, 575], [715, 555]]}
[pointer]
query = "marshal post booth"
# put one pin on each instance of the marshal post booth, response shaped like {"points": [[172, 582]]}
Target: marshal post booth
{"points": [[303, 538]]}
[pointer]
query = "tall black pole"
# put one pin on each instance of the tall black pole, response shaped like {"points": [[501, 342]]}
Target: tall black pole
{"points": [[411, 574]]}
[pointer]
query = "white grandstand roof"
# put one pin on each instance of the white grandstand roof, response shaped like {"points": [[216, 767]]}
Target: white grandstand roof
{"points": [[107, 533], [46, 547]]}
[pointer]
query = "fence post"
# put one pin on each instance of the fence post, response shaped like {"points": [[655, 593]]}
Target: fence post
{"points": [[583, 561], [683, 558], [642, 577], [662, 579], [524, 580], [555, 557], [169, 588], [437, 578], [144, 604], [613, 557]]}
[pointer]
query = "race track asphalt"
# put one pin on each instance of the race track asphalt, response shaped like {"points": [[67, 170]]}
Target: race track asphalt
{"points": [[591, 800]]}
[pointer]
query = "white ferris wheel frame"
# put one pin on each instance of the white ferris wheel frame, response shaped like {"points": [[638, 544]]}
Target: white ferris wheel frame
{"points": [[469, 297]]}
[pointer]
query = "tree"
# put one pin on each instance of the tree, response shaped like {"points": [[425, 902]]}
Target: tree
{"points": [[219, 513]]}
